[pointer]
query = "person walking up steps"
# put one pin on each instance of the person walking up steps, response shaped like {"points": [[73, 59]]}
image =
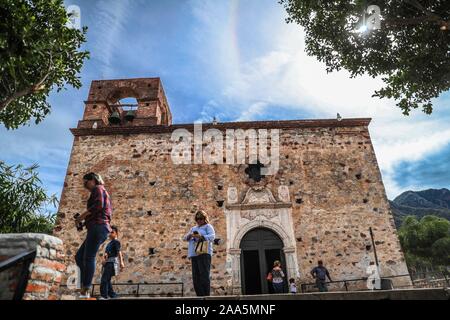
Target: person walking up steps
{"points": [[97, 219], [320, 273], [113, 259]]}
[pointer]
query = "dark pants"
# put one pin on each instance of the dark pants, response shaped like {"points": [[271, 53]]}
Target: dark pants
{"points": [[278, 287], [201, 266], [106, 289], [85, 257], [322, 285]]}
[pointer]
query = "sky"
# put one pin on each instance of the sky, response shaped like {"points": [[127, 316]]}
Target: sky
{"points": [[236, 60]]}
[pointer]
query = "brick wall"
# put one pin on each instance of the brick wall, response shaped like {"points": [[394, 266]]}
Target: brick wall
{"points": [[333, 180]]}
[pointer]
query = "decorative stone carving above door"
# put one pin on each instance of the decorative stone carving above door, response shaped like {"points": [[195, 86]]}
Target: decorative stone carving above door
{"points": [[258, 197], [259, 208]]}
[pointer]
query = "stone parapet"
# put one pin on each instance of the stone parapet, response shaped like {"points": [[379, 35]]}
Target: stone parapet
{"points": [[45, 271]]}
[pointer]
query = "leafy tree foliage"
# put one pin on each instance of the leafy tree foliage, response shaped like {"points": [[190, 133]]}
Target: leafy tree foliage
{"points": [[23, 202], [38, 53], [426, 242], [411, 50]]}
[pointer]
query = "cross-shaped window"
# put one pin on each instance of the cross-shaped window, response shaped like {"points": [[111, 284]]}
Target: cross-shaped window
{"points": [[254, 171]]}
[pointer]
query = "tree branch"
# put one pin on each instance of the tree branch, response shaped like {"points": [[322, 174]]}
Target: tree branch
{"points": [[416, 4], [33, 88], [414, 21]]}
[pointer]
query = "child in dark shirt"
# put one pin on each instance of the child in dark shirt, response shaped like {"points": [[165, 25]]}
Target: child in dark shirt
{"points": [[112, 258]]}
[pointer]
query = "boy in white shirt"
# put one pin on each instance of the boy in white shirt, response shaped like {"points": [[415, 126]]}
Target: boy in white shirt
{"points": [[292, 286]]}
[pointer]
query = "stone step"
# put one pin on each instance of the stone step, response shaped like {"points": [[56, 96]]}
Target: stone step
{"points": [[403, 294]]}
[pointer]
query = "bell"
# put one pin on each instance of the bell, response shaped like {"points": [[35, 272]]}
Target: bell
{"points": [[130, 115], [114, 118]]}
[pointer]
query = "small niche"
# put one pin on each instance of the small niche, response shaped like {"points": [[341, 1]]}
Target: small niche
{"points": [[358, 176], [94, 106], [149, 213], [220, 187], [368, 247], [299, 200], [152, 183], [365, 200], [220, 203], [151, 251]]}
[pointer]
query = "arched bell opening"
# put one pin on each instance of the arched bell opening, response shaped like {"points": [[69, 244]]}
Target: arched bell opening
{"points": [[123, 104]]}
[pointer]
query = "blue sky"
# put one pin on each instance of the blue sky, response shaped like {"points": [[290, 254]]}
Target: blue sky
{"points": [[237, 60]]}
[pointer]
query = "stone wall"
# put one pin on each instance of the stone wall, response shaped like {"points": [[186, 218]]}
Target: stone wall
{"points": [[45, 271], [329, 170]]}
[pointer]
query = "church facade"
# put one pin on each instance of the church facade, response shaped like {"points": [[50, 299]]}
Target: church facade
{"points": [[323, 200]]}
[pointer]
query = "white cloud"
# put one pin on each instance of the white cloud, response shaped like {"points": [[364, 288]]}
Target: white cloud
{"points": [[253, 110], [283, 74], [243, 59], [110, 22]]}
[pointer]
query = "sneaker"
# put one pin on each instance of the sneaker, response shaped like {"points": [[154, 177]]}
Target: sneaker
{"points": [[113, 296], [103, 298], [86, 295]]}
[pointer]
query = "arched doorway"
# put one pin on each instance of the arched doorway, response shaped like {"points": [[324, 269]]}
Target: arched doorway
{"points": [[260, 247]]}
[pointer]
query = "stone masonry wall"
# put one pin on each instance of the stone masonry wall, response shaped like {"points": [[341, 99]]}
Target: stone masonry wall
{"points": [[45, 272], [334, 184]]}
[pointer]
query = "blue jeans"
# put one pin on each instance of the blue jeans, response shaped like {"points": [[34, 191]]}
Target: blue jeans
{"points": [[322, 285], [278, 287], [85, 257], [106, 289]]}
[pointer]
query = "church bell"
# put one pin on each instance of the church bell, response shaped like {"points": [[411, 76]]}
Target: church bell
{"points": [[114, 118], [131, 114]]}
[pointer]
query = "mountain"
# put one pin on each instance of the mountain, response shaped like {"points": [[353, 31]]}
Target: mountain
{"points": [[421, 203]]}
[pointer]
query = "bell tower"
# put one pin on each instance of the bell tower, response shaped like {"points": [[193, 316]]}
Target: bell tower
{"points": [[104, 109]]}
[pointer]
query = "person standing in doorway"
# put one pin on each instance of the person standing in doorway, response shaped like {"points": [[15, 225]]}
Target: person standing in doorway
{"points": [[200, 251], [97, 219], [320, 273], [276, 276]]}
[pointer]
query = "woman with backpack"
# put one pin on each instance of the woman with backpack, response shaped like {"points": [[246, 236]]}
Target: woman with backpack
{"points": [[276, 277]]}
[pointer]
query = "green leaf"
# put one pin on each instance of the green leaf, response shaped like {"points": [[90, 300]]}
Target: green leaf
{"points": [[37, 45]]}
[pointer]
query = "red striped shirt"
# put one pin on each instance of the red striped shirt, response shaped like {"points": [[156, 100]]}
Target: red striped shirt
{"points": [[99, 206]]}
